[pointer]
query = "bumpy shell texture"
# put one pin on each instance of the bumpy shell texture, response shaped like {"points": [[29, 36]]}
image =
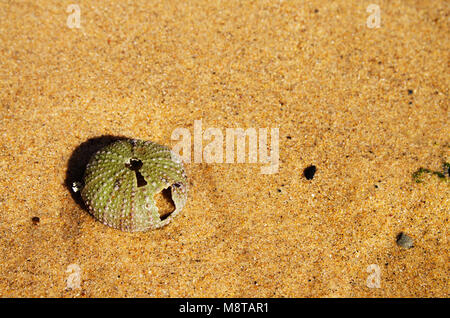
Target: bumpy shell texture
{"points": [[122, 179]]}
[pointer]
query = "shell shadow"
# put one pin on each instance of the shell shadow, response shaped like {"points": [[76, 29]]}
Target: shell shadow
{"points": [[79, 159]]}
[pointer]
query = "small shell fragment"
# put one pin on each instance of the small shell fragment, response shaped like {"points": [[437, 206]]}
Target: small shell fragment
{"points": [[76, 186], [404, 241], [122, 179]]}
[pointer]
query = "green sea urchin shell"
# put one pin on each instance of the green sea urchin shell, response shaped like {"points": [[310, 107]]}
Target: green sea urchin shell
{"points": [[122, 179]]}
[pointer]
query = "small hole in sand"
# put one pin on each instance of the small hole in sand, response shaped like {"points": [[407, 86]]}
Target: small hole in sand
{"points": [[164, 203]]}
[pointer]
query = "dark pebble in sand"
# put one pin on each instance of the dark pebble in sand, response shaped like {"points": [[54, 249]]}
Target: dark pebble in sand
{"points": [[309, 172], [35, 220], [404, 240]]}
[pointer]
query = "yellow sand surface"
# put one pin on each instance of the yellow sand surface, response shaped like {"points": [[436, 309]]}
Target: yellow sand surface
{"points": [[368, 106]]}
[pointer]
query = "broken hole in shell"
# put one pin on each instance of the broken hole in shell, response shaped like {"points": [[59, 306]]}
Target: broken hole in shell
{"points": [[136, 165], [164, 203]]}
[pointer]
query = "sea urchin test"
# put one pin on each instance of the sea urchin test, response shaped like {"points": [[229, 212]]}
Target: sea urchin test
{"points": [[123, 179]]}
